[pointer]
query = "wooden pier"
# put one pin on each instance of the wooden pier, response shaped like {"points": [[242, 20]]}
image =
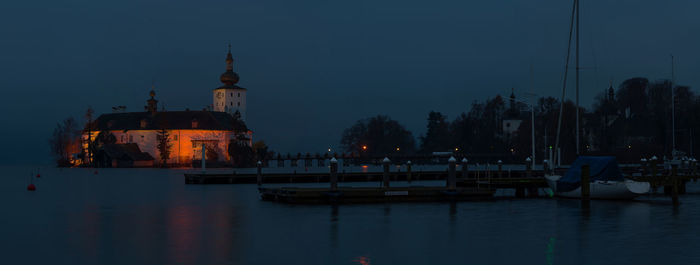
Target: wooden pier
{"points": [[373, 195]]}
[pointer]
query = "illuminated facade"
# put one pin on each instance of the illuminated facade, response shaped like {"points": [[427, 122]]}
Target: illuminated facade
{"points": [[187, 130]]}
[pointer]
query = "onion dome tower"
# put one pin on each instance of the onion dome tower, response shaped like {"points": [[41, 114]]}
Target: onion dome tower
{"points": [[230, 98]]}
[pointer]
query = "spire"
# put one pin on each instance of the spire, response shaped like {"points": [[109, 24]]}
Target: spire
{"points": [[512, 98], [229, 78], [229, 59], [611, 92], [152, 106]]}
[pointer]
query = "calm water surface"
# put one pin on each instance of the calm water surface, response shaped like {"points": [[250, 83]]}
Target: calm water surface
{"points": [[149, 216]]}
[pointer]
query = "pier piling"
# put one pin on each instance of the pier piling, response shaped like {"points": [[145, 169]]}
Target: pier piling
{"points": [[675, 182], [334, 174], [259, 177], [585, 186], [408, 171], [385, 176], [452, 174], [465, 168], [500, 169]]}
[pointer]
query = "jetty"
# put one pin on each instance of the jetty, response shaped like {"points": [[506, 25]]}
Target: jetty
{"points": [[385, 193]]}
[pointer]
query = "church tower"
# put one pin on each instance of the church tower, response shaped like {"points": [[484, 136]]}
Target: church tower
{"points": [[230, 98]]}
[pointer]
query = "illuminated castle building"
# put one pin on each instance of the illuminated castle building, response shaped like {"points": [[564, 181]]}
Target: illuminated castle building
{"points": [[114, 134]]}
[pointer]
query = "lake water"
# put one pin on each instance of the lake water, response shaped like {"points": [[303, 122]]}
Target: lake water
{"points": [[149, 216]]}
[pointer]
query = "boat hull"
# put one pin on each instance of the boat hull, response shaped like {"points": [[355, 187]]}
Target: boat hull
{"points": [[608, 190]]}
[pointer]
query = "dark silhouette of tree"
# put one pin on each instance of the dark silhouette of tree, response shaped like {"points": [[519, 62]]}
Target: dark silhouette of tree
{"points": [[88, 130], [242, 155], [437, 136], [65, 141], [164, 146], [379, 135]]}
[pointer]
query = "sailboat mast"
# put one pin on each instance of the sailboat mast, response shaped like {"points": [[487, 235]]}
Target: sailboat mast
{"points": [[578, 30], [673, 111]]}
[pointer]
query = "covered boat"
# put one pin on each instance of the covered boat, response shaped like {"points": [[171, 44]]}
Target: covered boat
{"points": [[606, 180]]}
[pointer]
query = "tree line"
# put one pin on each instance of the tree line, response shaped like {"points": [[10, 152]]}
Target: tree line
{"points": [[630, 122]]}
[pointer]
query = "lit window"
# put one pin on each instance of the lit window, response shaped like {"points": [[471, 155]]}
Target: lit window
{"points": [[195, 124]]}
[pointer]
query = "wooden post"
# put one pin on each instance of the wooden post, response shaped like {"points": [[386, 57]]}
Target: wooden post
{"points": [[385, 176], [260, 178], [334, 174], [675, 182], [408, 171], [465, 168], [585, 185], [204, 161], [500, 169], [528, 167], [452, 173]]}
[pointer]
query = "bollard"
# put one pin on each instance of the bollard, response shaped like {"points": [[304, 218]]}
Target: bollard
{"points": [[452, 173], [204, 161], [465, 168], [585, 185], [500, 169], [334, 174], [260, 178], [674, 182], [408, 171], [528, 167], [385, 176]]}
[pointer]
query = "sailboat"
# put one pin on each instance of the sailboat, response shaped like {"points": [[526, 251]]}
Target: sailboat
{"points": [[606, 180]]}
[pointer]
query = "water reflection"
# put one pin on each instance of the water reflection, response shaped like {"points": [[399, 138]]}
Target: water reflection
{"points": [[334, 226], [362, 260]]}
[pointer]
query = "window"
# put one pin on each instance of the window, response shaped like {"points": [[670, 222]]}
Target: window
{"points": [[232, 94], [231, 103], [141, 137], [144, 123], [175, 137], [195, 124], [239, 104], [131, 138], [122, 138], [239, 94]]}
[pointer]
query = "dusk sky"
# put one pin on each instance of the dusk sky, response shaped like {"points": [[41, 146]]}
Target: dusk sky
{"points": [[312, 68]]}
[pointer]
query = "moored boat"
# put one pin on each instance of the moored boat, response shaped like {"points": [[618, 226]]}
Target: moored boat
{"points": [[606, 180]]}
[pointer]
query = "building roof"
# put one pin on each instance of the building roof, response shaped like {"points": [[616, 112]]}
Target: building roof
{"points": [[129, 151], [230, 87], [170, 120]]}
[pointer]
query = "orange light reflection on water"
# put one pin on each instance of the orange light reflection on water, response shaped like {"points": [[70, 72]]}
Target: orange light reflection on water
{"points": [[362, 260]]}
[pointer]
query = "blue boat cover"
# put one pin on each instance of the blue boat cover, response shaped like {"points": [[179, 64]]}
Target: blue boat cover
{"points": [[602, 168]]}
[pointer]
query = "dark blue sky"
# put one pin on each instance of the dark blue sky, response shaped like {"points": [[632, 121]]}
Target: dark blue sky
{"points": [[314, 67]]}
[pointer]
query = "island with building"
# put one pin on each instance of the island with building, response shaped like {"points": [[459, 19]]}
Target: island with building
{"points": [[156, 137]]}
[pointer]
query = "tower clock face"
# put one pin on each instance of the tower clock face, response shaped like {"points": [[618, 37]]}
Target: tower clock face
{"points": [[219, 95]]}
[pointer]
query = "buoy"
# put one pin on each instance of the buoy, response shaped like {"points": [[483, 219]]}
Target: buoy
{"points": [[38, 175], [31, 187]]}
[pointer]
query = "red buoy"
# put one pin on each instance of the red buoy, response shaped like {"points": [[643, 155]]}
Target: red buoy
{"points": [[31, 187], [38, 175]]}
